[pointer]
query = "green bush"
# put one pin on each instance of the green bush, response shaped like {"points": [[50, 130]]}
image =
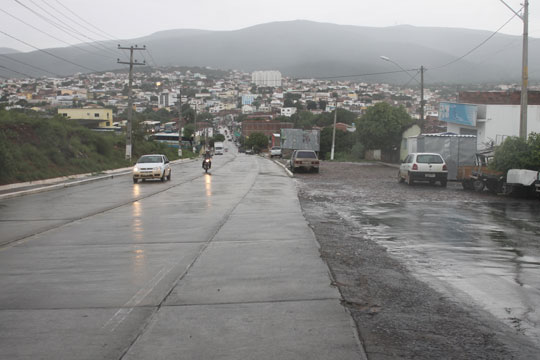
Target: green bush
{"points": [[517, 153]]}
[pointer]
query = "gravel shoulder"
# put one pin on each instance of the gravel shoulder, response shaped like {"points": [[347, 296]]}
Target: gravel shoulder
{"points": [[397, 315]]}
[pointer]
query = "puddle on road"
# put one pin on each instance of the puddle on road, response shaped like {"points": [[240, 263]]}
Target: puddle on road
{"points": [[487, 252]]}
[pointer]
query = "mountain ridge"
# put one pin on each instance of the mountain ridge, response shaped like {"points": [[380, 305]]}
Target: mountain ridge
{"points": [[303, 48]]}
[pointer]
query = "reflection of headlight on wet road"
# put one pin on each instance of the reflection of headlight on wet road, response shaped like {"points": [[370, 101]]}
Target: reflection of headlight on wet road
{"points": [[208, 185]]}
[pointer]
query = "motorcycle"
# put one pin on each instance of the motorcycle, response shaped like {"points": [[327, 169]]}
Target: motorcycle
{"points": [[207, 164]]}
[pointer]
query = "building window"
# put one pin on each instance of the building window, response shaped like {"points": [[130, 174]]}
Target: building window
{"points": [[96, 115]]}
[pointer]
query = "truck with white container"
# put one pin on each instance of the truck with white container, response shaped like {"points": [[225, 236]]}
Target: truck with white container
{"points": [[218, 148]]}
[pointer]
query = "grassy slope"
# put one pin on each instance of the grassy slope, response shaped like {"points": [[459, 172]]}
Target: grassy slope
{"points": [[33, 148]]}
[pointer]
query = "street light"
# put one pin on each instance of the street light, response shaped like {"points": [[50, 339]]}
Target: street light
{"points": [[386, 58]]}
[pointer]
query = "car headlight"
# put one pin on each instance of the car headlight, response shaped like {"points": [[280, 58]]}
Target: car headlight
{"points": [[157, 168], [135, 169]]}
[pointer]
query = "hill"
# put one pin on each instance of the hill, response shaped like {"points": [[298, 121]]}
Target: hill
{"points": [[310, 49], [33, 147]]}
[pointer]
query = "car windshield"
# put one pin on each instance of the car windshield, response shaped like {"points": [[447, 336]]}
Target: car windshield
{"points": [[150, 159], [429, 159], [276, 148], [306, 155]]}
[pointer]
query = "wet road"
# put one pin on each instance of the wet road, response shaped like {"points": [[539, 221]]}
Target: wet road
{"points": [[486, 252], [480, 249], [201, 267]]}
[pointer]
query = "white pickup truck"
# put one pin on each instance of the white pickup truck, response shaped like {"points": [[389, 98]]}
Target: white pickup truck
{"points": [[523, 181]]}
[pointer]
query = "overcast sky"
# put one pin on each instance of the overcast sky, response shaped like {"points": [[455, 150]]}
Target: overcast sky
{"points": [[124, 19]]}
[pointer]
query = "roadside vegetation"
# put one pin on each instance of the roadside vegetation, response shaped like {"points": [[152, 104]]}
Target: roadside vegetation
{"points": [[33, 147], [379, 128], [518, 153]]}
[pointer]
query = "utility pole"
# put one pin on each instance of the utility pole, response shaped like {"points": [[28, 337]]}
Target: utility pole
{"points": [[195, 125], [524, 73], [179, 126], [524, 67], [130, 100], [422, 95], [334, 132]]}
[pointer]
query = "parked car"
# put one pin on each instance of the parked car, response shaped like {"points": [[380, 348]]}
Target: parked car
{"points": [[275, 151], [305, 160], [153, 166], [429, 167]]}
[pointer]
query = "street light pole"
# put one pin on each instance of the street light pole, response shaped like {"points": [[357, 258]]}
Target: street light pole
{"points": [[334, 132], [422, 69]]}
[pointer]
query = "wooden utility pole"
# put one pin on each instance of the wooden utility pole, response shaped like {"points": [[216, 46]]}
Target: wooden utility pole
{"points": [[130, 100], [524, 72], [422, 102], [524, 67]]}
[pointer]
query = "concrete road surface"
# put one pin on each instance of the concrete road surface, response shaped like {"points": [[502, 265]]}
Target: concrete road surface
{"points": [[220, 266]]}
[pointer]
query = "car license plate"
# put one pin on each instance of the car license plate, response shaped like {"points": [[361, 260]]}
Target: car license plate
{"points": [[430, 175]]}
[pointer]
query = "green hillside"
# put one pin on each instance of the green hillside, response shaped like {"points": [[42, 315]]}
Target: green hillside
{"points": [[33, 147]]}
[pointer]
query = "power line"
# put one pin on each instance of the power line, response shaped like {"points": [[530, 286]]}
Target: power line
{"points": [[15, 71], [476, 47], [68, 17], [65, 28], [111, 37], [151, 57], [48, 53], [32, 66], [358, 75], [52, 36]]}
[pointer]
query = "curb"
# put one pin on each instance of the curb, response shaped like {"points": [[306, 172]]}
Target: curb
{"points": [[62, 182], [287, 171]]}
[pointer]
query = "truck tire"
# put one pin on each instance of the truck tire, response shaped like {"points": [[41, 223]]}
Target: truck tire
{"points": [[478, 185]]}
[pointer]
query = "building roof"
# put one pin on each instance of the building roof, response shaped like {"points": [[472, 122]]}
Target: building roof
{"points": [[497, 97]]}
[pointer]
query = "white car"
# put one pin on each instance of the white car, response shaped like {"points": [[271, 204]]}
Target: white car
{"points": [[153, 166], [275, 151], [429, 167]]}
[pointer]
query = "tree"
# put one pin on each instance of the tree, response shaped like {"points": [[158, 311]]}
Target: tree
{"points": [[257, 141], [288, 103], [219, 137], [311, 105], [189, 130], [382, 126], [322, 105], [344, 141], [516, 153], [302, 120]]}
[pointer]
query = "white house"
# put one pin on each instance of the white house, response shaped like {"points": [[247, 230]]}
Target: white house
{"points": [[491, 116], [288, 111]]}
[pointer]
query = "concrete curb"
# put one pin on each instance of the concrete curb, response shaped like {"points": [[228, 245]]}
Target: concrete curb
{"points": [[64, 181], [396, 166], [287, 171]]}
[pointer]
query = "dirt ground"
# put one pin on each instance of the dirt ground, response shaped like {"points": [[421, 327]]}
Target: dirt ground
{"points": [[397, 315]]}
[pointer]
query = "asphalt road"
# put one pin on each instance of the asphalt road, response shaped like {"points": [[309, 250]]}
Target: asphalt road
{"points": [[428, 272], [202, 267]]}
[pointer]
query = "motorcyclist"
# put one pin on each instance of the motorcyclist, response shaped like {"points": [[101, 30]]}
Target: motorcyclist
{"points": [[207, 155]]}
